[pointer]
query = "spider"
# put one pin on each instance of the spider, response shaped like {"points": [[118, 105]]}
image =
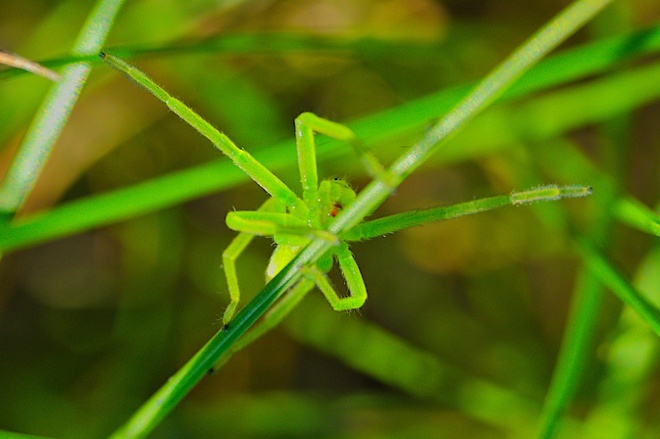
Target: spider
{"points": [[291, 221]]}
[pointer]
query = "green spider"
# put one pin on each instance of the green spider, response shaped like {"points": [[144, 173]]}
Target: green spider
{"points": [[291, 220]]}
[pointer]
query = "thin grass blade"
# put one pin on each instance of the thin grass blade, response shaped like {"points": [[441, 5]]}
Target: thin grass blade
{"points": [[19, 62], [55, 110]]}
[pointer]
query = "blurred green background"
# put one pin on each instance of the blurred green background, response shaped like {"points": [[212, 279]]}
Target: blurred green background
{"points": [[465, 318]]}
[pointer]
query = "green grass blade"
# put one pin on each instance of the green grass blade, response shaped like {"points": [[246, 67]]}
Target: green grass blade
{"points": [[11, 435], [633, 213], [54, 112], [588, 293], [489, 89], [554, 114], [365, 346], [575, 63], [562, 160], [572, 359], [580, 330], [618, 284], [631, 362], [121, 204]]}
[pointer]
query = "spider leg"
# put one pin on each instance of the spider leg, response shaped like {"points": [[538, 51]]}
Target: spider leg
{"points": [[241, 158], [313, 277], [231, 254], [352, 275], [276, 224], [351, 272], [270, 219], [306, 125]]}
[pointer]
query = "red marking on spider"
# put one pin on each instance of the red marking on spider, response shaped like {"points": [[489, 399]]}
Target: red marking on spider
{"points": [[336, 207]]}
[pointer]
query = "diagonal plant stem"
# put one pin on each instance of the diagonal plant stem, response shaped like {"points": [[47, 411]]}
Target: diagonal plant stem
{"points": [[55, 110], [165, 399]]}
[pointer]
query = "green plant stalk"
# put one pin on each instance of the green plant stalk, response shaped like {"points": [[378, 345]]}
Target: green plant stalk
{"points": [[561, 161], [489, 403], [632, 212], [610, 277], [565, 161], [52, 116], [11, 435], [586, 300], [576, 62], [166, 398], [147, 417], [630, 364], [578, 336], [562, 26]]}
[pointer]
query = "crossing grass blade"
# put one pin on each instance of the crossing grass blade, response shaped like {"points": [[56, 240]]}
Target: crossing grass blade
{"points": [[54, 112]]}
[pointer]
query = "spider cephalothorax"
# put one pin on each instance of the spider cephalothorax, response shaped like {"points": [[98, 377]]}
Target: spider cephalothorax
{"points": [[332, 196]]}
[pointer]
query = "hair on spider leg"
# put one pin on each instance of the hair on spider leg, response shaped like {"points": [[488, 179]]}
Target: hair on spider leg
{"points": [[354, 313], [218, 319]]}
